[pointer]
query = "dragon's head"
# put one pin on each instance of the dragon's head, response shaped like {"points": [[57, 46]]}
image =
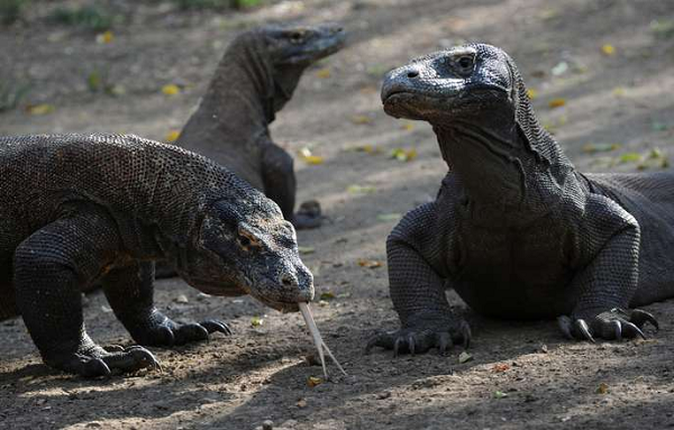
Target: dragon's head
{"points": [[246, 247]]}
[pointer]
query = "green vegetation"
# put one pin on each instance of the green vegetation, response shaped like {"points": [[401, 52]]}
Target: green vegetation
{"points": [[217, 4], [11, 94], [91, 17], [10, 10]]}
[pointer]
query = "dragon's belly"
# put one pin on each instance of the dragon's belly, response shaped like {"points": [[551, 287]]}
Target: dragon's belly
{"points": [[515, 274]]}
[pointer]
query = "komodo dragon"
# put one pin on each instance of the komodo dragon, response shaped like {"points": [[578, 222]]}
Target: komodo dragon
{"points": [[255, 79], [75, 209], [515, 230]]}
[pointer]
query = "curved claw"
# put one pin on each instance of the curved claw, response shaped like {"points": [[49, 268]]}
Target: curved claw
{"points": [[410, 343], [631, 330], [216, 325], [396, 346], [581, 326], [444, 341], [617, 330], [641, 317]]}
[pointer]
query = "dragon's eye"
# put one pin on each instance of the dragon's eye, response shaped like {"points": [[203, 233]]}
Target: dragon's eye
{"points": [[465, 62], [244, 241], [296, 36]]}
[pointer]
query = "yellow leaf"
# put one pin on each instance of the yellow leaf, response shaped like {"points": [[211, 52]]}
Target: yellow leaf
{"points": [[309, 158], [408, 127], [323, 73], [602, 388], [172, 136], [312, 381], [555, 103], [170, 89], [361, 119], [532, 93], [41, 109], [105, 38], [618, 91], [360, 189], [608, 49], [256, 321], [404, 155]]}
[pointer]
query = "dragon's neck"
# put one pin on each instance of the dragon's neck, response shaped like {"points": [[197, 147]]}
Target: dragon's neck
{"points": [[498, 169]]}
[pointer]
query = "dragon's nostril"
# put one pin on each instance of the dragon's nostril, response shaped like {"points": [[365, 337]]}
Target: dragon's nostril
{"points": [[288, 281], [412, 74]]}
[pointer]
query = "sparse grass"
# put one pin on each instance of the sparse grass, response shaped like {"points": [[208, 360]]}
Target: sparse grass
{"points": [[663, 28], [11, 94], [217, 4], [10, 10], [91, 17]]}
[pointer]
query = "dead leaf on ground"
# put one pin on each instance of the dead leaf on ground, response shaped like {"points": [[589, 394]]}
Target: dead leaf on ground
{"points": [[309, 158], [323, 73], [401, 154], [361, 119], [170, 89], [313, 381], [500, 367], [591, 148], [602, 388], [172, 136], [558, 102], [41, 109], [360, 189], [608, 49], [370, 264]]}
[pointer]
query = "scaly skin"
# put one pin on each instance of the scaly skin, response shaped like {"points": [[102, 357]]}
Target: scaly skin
{"points": [[515, 229], [79, 209], [255, 79]]}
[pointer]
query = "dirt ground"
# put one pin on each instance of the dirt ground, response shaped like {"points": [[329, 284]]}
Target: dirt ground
{"points": [[611, 63]]}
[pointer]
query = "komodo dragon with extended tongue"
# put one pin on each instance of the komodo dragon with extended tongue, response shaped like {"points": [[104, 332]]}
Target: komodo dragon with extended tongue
{"points": [[515, 230], [255, 79], [76, 209]]}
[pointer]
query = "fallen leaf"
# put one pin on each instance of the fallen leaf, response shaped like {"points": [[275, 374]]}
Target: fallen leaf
{"points": [[532, 93], [256, 321], [408, 127], [464, 357], [630, 157], [369, 149], [313, 381], [389, 217], [360, 189], [309, 158], [328, 295], [500, 367], [600, 147], [499, 394], [370, 264], [403, 154], [323, 73], [170, 89], [172, 136], [41, 109], [361, 119], [618, 92], [301, 403], [558, 102], [602, 388], [105, 38], [306, 250], [608, 49]]}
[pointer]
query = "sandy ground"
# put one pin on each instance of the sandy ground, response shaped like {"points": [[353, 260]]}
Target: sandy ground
{"points": [[522, 375]]}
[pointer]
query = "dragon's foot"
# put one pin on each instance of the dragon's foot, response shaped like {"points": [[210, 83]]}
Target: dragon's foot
{"points": [[165, 332], [423, 337], [610, 325], [97, 361], [308, 215]]}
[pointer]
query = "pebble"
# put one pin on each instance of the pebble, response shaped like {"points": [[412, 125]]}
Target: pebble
{"points": [[267, 425]]}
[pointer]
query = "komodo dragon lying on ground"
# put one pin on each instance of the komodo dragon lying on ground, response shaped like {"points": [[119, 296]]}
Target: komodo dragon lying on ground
{"points": [[255, 79], [515, 229], [75, 209]]}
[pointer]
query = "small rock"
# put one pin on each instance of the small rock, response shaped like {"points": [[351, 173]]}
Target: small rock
{"points": [[543, 349], [267, 425], [181, 299], [384, 395]]}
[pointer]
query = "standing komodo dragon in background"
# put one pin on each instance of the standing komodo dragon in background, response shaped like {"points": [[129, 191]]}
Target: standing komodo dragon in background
{"points": [[515, 229], [255, 79], [75, 209]]}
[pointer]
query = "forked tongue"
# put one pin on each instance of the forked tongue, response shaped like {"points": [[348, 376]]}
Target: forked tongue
{"points": [[318, 340]]}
